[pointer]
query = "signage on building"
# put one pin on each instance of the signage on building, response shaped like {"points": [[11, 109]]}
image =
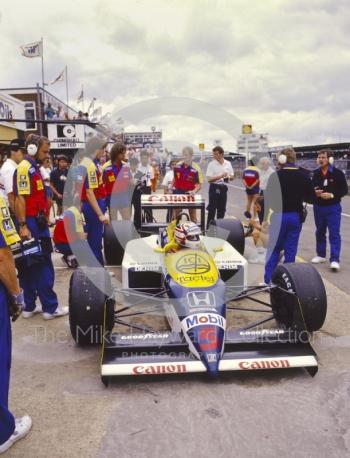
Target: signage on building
{"points": [[66, 136], [143, 139], [11, 108], [201, 146], [247, 129]]}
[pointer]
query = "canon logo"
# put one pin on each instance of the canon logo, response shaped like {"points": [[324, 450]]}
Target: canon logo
{"points": [[159, 369], [171, 198], [264, 364]]}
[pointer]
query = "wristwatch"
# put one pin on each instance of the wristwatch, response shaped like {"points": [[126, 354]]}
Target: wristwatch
{"points": [[22, 224]]}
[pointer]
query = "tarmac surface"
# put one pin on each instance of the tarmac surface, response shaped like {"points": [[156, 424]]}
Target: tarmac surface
{"points": [[250, 414]]}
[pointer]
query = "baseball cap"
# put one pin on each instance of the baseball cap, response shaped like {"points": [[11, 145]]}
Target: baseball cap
{"points": [[17, 144]]}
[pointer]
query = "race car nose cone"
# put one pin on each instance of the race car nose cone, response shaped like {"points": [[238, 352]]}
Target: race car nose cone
{"points": [[208, 341]]}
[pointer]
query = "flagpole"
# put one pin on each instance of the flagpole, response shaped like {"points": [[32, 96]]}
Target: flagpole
{"points": [[42, 63], [82, 90], [67, 90]]}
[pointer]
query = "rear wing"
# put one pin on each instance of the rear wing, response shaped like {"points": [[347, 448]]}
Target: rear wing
{"points": [[170, 202]]}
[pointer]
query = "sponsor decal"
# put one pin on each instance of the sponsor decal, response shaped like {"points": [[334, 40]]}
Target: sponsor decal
{"points": [[159, 369], [287, 282], [227, 265], [201, 299], [5, 212], [200, 319], [172, 198], [262, 332], [148, 336], [264, 364], [208, 339], [212, 357], [192, 263]]}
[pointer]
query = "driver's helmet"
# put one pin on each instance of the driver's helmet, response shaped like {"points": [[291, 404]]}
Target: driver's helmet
{"points": [[187, 234]]}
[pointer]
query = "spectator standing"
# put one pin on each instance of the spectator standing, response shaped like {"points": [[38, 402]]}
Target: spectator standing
{"points": [[143, 179], [8, 169], [156, 175], [251, 183], [168, 179], [219, 173], [36, 274], [58, 178], [285, 193], [11, 304], [188, 177], [45, 171], [265, 171], [49, 111], [330, 186]]}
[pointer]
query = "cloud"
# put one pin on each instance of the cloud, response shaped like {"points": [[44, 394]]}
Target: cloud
{"points": [[281, 64]]}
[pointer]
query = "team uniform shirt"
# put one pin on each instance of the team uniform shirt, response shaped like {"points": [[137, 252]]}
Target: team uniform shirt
{"points": [[8, 233], [185, 177], [69, 227], [333, 181], [251, 175], [6, 177], [199, 170], [168, 181], [28, 182], [145, 174], [215, 168], [116, 178], [88, 176]]}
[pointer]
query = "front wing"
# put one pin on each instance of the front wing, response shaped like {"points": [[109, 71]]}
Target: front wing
{"points": [[165, 353]]}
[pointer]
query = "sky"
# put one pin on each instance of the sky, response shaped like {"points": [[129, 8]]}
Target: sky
{"points": [[281, 65]]}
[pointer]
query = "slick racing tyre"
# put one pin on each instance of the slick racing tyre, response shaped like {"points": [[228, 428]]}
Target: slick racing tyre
{"points": [[229, 229], [306, 307], [89, 307], [116, 236]]}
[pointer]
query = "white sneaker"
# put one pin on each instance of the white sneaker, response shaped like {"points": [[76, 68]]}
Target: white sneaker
{"points": [[111, 274], [29, 314], [62, 311], [259, 259], [318, 260], [335, 266], [22, 428]]}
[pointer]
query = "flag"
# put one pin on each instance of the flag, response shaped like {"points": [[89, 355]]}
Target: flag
{"points": [[32, 49], [81, 96], [60, 77], [92, 103]]}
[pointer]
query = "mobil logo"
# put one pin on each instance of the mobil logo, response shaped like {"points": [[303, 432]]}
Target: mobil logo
{"points": [[200, 319]]}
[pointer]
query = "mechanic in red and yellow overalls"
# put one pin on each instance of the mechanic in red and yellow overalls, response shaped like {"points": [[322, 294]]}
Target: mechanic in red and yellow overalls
{"points": [[93, 196]]}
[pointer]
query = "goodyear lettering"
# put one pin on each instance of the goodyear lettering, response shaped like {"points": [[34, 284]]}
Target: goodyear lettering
{"points": [[264, 364], [159, 369]]}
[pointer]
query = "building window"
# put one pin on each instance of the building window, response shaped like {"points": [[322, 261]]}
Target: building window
{"points": [[30, 115]]}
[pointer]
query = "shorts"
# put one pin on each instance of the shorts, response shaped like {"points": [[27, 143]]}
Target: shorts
{"points": [[253, 191]]}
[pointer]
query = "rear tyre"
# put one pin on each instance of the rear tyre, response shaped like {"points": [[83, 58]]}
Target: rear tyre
{"points": [[116, 236], [229, 229], [87, 305], [307, 308]]}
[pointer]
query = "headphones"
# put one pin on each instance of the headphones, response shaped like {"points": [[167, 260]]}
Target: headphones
{"points": [[329, 157], [32, 149], [282, 159]]}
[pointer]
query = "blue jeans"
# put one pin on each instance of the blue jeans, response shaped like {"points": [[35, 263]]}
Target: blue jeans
{"points": [[7, 422], [284, 235], [94, 229], [328, 217]]}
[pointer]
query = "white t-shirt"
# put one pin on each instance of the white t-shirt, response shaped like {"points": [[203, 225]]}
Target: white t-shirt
{"points": [[215, 168], [6, 176], [45, 173], [147, 173], [168, 181]]}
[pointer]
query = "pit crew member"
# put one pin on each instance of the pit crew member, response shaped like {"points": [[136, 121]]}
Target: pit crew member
{"points": [[36, 272], [286, 191], [11, 305], [251, 182], [117, 178], [8, 169], [58, 178], [143, 181], [330, 187]]}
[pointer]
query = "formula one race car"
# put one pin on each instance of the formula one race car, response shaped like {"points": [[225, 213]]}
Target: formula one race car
{"points": [[193, 289]]}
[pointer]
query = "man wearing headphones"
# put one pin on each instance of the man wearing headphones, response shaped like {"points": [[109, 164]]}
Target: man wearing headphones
{"points": [[36, 272], [286, 191], [330, 186]]}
